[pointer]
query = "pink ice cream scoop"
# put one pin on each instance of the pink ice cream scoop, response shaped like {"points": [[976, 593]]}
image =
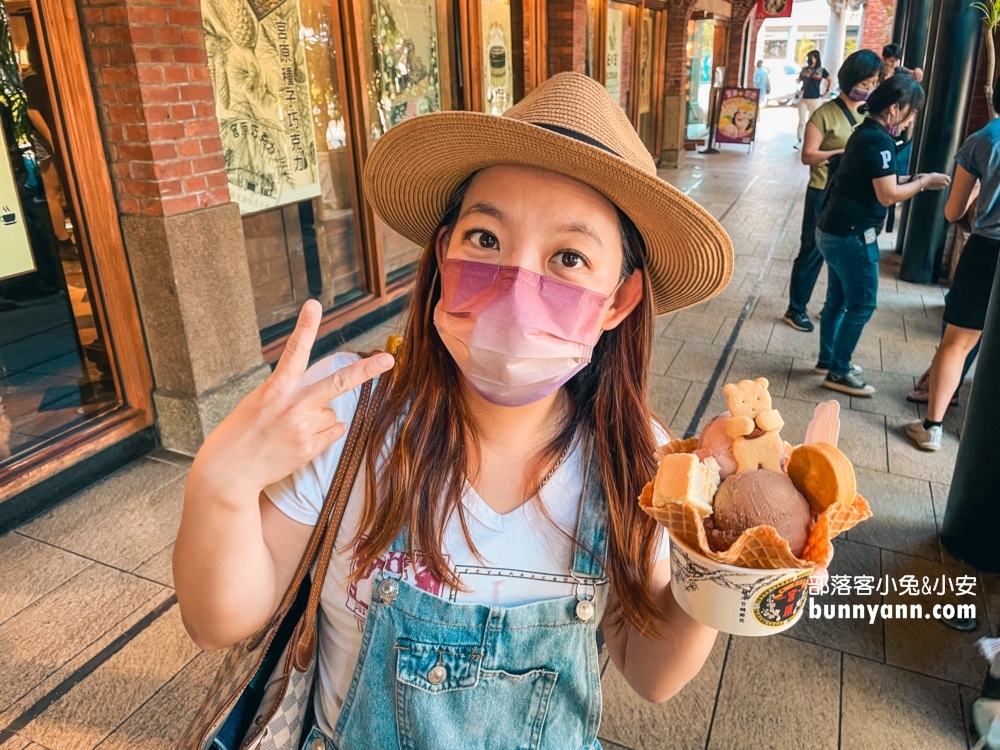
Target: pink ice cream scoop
{"points": [[716, 442]]}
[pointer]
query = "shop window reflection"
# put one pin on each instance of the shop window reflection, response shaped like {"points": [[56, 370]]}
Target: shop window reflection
{"points": [[55, 369]]}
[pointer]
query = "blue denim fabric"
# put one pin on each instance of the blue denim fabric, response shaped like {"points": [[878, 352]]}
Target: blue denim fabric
{"points": [[851, 294], [517, 677]]}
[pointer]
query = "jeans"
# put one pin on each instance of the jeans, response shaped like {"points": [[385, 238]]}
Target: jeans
{"points": [[852, 291], [806, 109], [809, 262]]}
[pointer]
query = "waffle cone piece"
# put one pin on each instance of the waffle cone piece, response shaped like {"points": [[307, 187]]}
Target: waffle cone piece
{"points": [[761, 547]]}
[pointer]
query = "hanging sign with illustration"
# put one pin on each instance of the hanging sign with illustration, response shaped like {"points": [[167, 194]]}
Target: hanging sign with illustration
{"points": [[738, 111], [774, 8], [15, 249], [258, 66]]}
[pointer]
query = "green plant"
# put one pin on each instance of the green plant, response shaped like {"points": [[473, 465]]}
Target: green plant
{"points": [[991, 19]]}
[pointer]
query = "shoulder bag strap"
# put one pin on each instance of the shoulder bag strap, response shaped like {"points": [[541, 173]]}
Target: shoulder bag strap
{"points": [[336, 504], [847, 112]]}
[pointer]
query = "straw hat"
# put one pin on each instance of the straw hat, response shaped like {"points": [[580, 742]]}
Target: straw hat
{"points": [[570, 125]]}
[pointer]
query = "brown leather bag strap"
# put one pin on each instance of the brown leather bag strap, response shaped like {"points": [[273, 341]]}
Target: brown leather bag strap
{"points": [[340, 491]]}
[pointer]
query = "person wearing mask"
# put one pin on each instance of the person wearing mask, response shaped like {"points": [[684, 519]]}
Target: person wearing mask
{"points": [[812, 78], [863, 186], [826, 135], [502, 476], [762, 81], [892, 55], [977, 178]]}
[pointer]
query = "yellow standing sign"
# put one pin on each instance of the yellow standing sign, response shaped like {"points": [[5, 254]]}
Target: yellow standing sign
{"points": [[15, 249]]}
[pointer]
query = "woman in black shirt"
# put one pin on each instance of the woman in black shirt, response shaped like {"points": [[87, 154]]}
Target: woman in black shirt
{"points": [[864, 184], [812, 77]]}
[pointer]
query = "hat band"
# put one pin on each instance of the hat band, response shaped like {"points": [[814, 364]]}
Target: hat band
{"points": [[576, 136]]}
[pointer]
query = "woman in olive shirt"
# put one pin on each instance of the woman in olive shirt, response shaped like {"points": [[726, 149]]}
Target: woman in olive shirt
{"points": [[825, 138]]}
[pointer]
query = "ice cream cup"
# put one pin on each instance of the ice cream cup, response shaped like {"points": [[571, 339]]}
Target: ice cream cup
{"points": [[740, 601]]}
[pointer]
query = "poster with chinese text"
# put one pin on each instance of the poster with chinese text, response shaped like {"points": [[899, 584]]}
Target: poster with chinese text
{"points": [[738, 111], [613, 56], [258, 68]]}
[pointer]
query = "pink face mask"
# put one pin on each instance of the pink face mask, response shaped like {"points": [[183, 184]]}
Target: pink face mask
{"points": [[516, 336]]}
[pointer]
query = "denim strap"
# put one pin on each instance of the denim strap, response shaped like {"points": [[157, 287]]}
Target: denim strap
{"points": [[592, 526]]}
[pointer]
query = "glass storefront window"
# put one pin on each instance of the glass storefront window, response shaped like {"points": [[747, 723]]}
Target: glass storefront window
{"points": [[618, 52], [285, 133], [700, 45], [590, 58], [646, 115], [56, 370]]}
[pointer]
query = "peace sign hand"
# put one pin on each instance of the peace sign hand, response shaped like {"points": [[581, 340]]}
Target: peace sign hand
{"points": [[285, 422]]}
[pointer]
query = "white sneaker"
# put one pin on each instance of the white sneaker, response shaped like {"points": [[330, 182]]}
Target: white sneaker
{"points": [[928, 440]]}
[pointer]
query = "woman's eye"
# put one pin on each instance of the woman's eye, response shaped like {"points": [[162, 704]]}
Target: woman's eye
{"points": [[485, 240], [572, 260]]}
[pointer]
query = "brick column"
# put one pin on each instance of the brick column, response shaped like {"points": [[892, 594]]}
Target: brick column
{"points": [[674, 105], [744, 11], [567, 36], [876, 25], [183, 235]]}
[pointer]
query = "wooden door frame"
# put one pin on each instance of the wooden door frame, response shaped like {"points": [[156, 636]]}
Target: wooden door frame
{"points": [[102, 250]]}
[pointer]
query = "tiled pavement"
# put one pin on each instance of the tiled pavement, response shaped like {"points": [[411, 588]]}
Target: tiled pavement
{"points": [[93, 654]]}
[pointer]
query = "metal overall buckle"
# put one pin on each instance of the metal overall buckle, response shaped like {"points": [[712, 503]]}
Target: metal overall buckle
{"points": [[585, 609]]}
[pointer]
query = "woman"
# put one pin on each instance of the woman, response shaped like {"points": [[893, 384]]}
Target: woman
{"points": [[864, 184], [550, 245], [826, 135], [977, 178], [812, 77]]}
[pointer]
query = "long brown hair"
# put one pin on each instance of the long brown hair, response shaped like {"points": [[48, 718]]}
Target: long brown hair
{"points": [[426, 424]]}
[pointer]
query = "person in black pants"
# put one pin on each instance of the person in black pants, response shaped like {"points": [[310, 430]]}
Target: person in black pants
{"points": [[826, 136], [864, 184]]}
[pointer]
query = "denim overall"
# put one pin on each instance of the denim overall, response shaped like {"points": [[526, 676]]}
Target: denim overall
{"points": [[435, 674]]}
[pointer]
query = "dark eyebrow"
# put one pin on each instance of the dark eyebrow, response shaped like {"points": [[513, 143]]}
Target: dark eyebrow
{"points": [[485, 208], [581, 228]]}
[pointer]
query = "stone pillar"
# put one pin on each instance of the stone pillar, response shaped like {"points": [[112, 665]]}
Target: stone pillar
{"points": [[183, 235], [836, 37]]}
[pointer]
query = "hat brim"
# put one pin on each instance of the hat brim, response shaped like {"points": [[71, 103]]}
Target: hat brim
{"points": [[415, 168]]}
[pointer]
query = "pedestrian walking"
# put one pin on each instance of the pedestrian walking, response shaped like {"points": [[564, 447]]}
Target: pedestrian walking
{"points": [[977, 178], [494, 524], [762, 81], [812, 78], [864, 184], [826, 135]]}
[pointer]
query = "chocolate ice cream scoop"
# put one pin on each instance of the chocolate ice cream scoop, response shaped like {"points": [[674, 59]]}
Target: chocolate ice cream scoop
{"points": [[760, 498]]}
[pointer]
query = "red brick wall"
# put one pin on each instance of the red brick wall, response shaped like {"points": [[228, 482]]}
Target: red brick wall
{"points": [[567, 36], [876, 25], [155, 103], [744, 12]]}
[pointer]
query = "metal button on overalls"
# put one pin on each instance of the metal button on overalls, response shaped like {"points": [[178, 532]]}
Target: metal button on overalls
{"points": [[585, 610], [437, 675], [317, 744], [388, 590]]}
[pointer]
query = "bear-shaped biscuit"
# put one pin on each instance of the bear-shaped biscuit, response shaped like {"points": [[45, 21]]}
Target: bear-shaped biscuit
{"points": [[754, 426]]}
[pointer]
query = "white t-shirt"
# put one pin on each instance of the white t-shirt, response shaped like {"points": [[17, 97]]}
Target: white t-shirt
{"points": [[525, 559]]}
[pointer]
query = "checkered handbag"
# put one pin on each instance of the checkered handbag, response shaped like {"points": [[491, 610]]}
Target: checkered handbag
{"points": [[261, 696]]}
